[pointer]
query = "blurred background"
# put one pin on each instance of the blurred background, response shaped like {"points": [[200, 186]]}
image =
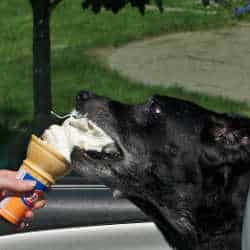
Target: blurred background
{"points": [[91, 51]]}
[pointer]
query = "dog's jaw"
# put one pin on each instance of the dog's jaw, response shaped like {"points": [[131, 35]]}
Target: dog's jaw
{"points": [[176, 229]]}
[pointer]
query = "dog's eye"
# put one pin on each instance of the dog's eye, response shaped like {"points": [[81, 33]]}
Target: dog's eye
{"points": [[155, 108], [154, 112]]}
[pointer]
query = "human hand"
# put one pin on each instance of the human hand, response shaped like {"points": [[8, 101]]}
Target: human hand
{"points": [[9, 183]]}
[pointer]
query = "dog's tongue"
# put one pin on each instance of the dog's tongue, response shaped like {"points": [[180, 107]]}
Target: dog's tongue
{"points": [[80, 132]]}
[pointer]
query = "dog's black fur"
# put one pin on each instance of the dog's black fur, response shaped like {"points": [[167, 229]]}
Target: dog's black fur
{"points": [[184, 166]]}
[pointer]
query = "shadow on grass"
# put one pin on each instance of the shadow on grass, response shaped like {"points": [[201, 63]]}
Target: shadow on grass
{"points": [[215, 103], [9, 116]]}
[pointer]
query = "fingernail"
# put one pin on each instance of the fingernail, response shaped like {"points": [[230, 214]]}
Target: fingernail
{"points": [[44, 204], [31, 183]]}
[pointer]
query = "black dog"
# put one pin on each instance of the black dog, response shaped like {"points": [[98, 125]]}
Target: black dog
{"points": [[183, 165]]}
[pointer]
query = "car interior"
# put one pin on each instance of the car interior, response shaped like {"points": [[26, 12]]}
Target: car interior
{"points": [[82, 214]]}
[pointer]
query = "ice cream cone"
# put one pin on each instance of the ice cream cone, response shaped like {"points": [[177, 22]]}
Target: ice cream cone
{"points": [[43, 164]]}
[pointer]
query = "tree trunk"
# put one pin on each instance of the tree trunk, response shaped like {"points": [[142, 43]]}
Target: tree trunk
{"points": [[41, 58]]}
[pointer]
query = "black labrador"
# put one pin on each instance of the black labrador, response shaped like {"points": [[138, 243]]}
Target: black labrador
{"points": [[184, 166]]}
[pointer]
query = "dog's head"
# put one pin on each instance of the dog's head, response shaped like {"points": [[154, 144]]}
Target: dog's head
{"points": [[180, 163]]}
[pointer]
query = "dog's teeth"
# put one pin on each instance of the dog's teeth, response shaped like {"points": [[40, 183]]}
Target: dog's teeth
{"points": [[110, 149], [117, 194]]}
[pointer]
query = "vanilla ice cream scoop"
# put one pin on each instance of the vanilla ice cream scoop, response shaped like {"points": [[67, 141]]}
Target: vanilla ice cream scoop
{"points": [[80, 132]]}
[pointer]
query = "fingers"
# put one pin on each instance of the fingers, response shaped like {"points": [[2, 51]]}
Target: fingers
{"points": [[39, 204], [8, 173], [15, 185], [9, 182], [10, 185], [29, 215]]}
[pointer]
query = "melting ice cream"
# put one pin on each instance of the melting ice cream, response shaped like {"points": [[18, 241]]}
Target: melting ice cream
{"points": [[80, 132]]}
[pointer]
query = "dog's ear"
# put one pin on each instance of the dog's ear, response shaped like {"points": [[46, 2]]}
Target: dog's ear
{"points": [[227, 131], [226, 140]]}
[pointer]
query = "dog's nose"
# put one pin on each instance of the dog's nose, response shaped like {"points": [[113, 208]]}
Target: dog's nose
{"points": [[82, 99], [83, 96]]}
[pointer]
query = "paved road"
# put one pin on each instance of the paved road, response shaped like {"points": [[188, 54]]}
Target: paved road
{"points": [[212, 62]]}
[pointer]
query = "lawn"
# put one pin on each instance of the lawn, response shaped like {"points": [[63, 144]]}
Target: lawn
{"points": [[73, 34]]}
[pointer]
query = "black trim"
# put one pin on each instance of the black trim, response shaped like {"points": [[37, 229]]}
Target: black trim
{"points": [[72, 180]]}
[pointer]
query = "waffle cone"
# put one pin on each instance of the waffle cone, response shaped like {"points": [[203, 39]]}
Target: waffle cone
{"points": [[43, 162]]}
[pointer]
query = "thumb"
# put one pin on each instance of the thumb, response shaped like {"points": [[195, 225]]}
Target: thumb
{"points": [[15, 185]]}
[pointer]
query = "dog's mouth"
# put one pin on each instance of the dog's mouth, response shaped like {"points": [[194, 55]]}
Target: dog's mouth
{"points": [[79, 131], [110, 152]]}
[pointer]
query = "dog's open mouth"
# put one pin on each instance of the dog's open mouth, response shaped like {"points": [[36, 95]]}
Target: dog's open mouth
{"points": [[95, 143], [108, 152]]}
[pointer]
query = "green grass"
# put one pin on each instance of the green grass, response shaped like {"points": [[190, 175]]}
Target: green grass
{"points": [[73, 33]]}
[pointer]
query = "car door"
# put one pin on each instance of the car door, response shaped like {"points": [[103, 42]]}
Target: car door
{"points": [[82, 214]]}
